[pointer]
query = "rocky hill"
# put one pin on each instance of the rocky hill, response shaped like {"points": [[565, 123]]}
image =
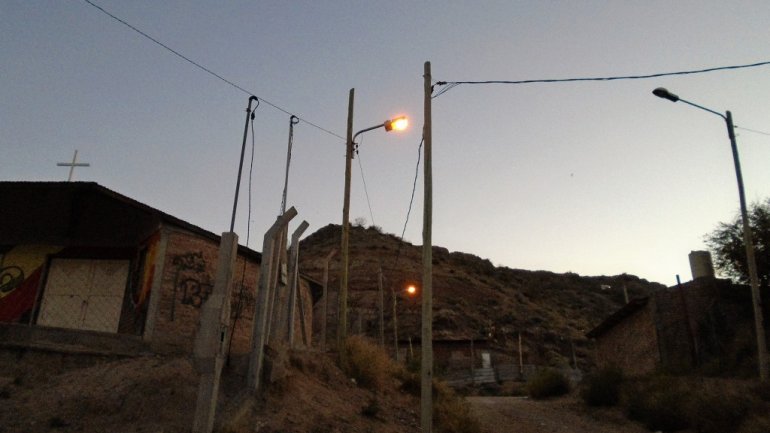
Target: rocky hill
{"points": [[472, 297]]}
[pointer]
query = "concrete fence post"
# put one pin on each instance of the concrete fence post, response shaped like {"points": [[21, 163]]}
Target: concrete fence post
{"points": [[211, 340], [293, 277], [261, 329]]}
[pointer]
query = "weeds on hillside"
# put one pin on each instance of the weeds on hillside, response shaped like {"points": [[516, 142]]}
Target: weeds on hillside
{"points": [[671, 403], [660, 404], [367, 363], [370, 365]]}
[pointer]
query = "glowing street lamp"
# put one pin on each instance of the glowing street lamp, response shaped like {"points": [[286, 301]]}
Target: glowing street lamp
{"points": [[752, 264], [411, 291], [398, 124]]}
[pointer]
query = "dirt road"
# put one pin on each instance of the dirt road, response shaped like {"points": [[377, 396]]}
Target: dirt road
{"points": [[563, 415]]}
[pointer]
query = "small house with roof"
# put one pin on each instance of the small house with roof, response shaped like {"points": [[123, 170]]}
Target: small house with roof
{"points": [[706, 324], [81, 258]]}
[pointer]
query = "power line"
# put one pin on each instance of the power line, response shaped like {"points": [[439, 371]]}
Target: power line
{"points": [[411, 200], [207, 70], [752, 130], [366, 191], [614, 78]]}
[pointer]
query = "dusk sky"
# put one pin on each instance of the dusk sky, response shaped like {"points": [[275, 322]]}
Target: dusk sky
{"points": [[597, 178]]}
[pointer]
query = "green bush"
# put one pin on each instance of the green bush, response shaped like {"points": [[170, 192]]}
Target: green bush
{"points": [[547, 383], [603, 387]]}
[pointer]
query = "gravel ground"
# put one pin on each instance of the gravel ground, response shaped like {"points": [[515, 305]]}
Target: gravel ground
{"points": [[562, 415]]}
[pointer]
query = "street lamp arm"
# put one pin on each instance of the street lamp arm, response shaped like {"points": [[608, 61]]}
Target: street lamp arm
{"points": [[381, 125], [704, 108]]}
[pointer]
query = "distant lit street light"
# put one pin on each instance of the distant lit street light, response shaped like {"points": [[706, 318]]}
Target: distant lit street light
{"points": [[747, 238], [410, 291], [396, 124]]}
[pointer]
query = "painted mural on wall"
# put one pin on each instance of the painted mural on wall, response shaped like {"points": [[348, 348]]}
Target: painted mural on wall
{"points": [[141, 293], [20, 271]]}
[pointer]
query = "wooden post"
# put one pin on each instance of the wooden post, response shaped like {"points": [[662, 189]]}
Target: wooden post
{"points": [[342, 323], [395, 323], [382, 306], [521, 360], [325, 310], [574, 355], [293, 274], [260, 330], [473, 358], [426, 369]]}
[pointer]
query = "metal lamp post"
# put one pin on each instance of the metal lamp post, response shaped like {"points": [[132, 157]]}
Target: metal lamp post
{"points": [[249, 114], [398, 124], [747, 238]]}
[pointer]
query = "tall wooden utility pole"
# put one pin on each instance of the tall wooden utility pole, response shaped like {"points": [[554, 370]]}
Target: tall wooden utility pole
{"points": [[426, 369], [342, 322]]}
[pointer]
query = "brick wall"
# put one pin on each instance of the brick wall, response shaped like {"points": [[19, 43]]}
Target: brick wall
{"points": [[631, 344], [189, 270]]}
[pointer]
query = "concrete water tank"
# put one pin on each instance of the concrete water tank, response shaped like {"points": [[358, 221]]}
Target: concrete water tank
{"points": [[701, 265]]}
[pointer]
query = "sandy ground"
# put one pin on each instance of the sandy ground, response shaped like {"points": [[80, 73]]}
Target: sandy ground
{"points": [[562, 415]]}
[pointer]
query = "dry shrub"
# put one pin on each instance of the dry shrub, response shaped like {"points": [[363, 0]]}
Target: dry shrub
{"points": [[547, 383], [660, 404], [452, 414], [756, 425], [603, 387], [367, 363], [716, 411]]}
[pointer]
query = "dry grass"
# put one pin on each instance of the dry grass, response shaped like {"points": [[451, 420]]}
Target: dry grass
{"points": [[671, 403], [547, 383], [367, 363]]}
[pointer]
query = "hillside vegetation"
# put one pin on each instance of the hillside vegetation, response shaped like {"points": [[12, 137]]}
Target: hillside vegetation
{"points": [[472, 297]]}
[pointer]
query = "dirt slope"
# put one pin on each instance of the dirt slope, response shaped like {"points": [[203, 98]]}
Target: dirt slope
{"points": [[52, 392]]}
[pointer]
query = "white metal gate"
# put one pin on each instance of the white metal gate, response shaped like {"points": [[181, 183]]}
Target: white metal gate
{"points": [[84, 294]]}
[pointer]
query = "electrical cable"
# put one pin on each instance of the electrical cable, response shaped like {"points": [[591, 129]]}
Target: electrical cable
{"points": [[751, 130], [363, 180], [624, 77], [207, 70], [411, 200], [238, 306], [293, 120]]}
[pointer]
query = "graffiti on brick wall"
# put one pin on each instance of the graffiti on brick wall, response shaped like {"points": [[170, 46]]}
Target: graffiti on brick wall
{"points": [[20, 272], [192, 282]]}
